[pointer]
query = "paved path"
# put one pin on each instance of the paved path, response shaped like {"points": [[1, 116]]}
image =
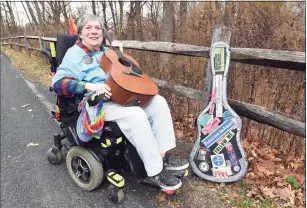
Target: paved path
{"points": [[27, 179]]}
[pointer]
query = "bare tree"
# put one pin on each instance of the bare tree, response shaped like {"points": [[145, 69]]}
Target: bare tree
{"points": [[166, 35], [168, 21], [121, 18], [32, 13], [138, 15], [43, 10], [3, 31], [27, 15], [104, 7], [183, 19], [94, 7], [113, 17], [12, 19], [39, 15], [131, 18], [154, 8]]}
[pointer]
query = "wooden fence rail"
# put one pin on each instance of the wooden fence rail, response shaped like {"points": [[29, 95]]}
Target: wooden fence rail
{"points": [[263, 57]]}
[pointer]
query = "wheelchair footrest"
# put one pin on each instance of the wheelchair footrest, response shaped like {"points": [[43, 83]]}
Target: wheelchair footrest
{"points": [[116, 179]]}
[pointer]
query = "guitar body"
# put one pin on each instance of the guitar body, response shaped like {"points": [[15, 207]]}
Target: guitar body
{"points": [[128, 87], [217, 154]]}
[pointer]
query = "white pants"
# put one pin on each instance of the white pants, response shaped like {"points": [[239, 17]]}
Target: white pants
{"points": [[149, 129]]}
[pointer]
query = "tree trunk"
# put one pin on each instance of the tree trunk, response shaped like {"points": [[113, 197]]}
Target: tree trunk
{"points": [[31, 13], [104, 7], [183, 19], [113, 17], [27, 15], [43, 11], [94, 7], [3, 30], [131, 20], [38, 12], [138, 15], [121, 18], [166, 36], [13, 22]]}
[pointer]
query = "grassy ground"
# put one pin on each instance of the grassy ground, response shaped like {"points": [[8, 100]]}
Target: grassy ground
{"points": [[195, 192], [34, 66]]}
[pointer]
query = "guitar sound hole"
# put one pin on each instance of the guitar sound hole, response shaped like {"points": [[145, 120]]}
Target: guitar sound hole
{"points": [[124, 62]]}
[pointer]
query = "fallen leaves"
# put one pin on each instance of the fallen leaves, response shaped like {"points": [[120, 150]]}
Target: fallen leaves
{"points": [[23, 106], [32, 144], [275, 176]]}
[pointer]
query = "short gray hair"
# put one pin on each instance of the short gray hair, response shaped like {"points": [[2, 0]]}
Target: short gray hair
{"points": [[84, 19]]}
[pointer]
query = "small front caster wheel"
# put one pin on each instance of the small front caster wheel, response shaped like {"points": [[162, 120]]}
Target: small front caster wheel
{"points": [[116, 194], [54, 156]]}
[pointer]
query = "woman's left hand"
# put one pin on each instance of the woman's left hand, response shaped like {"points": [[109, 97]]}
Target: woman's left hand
{"points": [[117, 44]]}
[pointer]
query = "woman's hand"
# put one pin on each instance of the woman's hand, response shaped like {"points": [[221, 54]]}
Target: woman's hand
{"points": [[99, 88], [118, 45]]}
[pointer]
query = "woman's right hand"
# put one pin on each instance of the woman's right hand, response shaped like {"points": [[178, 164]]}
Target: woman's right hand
{"points": [[99, 88]]}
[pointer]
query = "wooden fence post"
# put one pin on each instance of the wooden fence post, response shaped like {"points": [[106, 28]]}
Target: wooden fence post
{"points": [[220, 33], [18, 45], [10, 41], [27, 46], [41, 46]]}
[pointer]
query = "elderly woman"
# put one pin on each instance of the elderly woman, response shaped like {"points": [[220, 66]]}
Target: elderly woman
{"points": [[149, 129]]}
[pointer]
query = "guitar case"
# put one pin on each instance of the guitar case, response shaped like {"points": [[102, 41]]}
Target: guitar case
{"points": [[217, 154]]}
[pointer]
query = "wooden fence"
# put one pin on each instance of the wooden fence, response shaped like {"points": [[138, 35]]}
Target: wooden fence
{"points": [[263, 57]]}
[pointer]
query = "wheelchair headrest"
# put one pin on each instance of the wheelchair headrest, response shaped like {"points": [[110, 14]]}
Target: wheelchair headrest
{"points": [[63, 43]]}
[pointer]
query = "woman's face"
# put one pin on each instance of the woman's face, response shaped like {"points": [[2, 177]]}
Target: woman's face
{"points": [[91, 34]]}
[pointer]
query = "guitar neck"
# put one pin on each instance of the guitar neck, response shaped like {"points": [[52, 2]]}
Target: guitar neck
{"points": [[118, 52]]}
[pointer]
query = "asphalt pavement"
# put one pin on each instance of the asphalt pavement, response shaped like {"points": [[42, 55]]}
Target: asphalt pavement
{"points": [[27, 178]]}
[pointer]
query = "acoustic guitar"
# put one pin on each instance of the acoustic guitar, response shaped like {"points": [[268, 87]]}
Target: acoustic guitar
{"points": [[129, 85], [217, 154]]}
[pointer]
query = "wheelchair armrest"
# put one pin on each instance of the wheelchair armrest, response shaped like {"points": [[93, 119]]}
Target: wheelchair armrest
{"points": [[47, 53]]}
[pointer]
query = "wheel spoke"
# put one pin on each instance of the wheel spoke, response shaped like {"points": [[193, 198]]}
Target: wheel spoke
{"points": [[84, 176], [75, 163], [78, 174]]}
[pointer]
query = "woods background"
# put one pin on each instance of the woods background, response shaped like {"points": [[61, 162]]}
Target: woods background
{"points": [[267, 25]]}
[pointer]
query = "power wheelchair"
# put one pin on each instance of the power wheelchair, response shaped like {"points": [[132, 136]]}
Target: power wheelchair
{"points": [[92, 162]]}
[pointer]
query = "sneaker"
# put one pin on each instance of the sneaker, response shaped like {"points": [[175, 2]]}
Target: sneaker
{"points": [[172, 163], [165, 180]]}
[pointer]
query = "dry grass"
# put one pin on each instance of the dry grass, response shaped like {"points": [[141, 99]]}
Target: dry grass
{"points": [[34, 67]]}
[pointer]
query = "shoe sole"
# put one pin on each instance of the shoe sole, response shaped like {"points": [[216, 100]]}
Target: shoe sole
{"points": [[148, 181], [171, 188], [178, 168]]}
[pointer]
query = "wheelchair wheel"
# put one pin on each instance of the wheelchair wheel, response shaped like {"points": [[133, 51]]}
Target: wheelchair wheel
{"points": [[83, 168], [54, 156], [116, 194]]}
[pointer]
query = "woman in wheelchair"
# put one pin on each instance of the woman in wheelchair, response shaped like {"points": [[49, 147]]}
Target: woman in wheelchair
{"points": [[149, 129]]}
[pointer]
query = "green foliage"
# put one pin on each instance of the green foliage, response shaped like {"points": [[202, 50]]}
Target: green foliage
{"points": [[293, 181]]}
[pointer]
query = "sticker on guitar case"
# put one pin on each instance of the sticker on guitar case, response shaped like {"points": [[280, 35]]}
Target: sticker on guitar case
{"points": [[222, 172], [219, 59], [206, 119], [212, 108], [202, 154], [217, 133], [219, 101], [227, 115], [222, 144], [203, 166], [233, 158], [211, 126], [218, 160]]}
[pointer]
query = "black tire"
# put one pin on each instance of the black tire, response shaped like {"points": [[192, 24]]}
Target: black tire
{"points": [[116, 194], [54, 156], [90, 175]]}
